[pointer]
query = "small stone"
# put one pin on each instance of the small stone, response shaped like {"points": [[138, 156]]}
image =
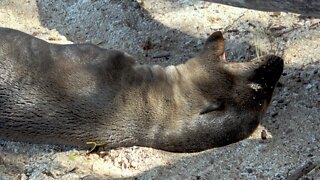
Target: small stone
{"points": [[134, 164], [23, 177], [274, 114], [162, 55], [308, 86], [249, 170], [263, 134]]}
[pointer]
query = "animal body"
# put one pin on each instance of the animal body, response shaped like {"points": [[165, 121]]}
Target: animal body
{"points": [[71, 94]]}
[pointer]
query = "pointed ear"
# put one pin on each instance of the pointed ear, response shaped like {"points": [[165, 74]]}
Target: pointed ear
{"points": [[215, 44]]}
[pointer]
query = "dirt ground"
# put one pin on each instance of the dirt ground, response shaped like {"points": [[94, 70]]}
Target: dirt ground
{"points": [[169, 32]]}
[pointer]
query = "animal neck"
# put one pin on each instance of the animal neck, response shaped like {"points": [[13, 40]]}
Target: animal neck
{"points": [[194, 70]]}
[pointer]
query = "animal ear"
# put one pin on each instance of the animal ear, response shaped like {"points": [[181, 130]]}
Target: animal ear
{"points": [[215, 45]]}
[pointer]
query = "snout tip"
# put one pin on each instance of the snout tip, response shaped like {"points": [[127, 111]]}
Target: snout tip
{"points": [[269, 70], [275, 64]]}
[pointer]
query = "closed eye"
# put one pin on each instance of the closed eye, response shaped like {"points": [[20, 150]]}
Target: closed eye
{"points": [[211, 107]]}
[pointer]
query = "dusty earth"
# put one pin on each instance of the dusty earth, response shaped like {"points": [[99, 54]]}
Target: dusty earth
{"points": [[169, 32]]}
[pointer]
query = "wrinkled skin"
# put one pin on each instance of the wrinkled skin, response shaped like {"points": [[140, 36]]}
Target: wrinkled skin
{"points": [[71, 94]]}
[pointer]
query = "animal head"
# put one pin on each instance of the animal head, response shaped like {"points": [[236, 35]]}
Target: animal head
{"points": [[234, 96]]}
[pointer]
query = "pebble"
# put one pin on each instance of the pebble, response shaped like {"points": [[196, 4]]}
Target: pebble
{"points": [[249, 170]]}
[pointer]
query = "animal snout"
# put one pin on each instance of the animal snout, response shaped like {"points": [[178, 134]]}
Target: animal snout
{"points": [[269, 71]]}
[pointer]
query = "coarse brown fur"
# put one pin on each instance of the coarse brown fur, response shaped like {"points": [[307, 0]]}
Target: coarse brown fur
{"points": [[70, 94]]}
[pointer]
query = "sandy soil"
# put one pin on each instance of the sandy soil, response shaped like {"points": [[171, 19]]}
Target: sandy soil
{"points": [[170, 32]]}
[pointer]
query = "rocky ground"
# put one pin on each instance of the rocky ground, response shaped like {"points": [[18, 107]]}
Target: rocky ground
{"points": [[169, 32]]}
